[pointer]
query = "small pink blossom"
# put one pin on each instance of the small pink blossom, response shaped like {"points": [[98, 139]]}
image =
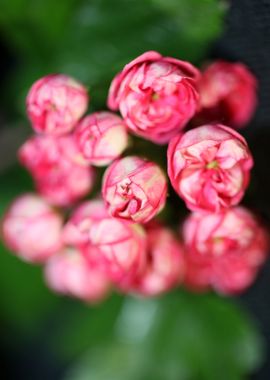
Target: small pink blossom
{"points": [[55, 103], [101, 137], [227, 274], [76, 231], [209, 167], [118, 247], [69, 273], [32, 229], [156, 95], [228, 93], [134, 189], [60, 173], [232, 275], [198, 275], [165, 264], [224, 250], [217, 234]]}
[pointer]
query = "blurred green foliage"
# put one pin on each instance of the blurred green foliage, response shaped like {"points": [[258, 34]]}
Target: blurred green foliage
{"points": [[92, 40], [179, 336]]}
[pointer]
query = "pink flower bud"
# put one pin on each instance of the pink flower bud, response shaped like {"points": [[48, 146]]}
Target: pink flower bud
{"points": [[156, 95], [60, 173], [198, 275], [209, 167], [165, 263], [32, 229], [68, 272], [232, 275], [227, 274], [224, 249], [119, 247], [55, 103], [101, 137], [134, 188], [76, 230], [217, 234], [227, 93]]}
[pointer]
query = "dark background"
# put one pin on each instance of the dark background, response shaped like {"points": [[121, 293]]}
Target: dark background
{"points": [[247, 39]]}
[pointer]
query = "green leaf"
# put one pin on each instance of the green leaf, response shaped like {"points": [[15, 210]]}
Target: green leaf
{"points": [[25, 301], [181, 336], [14, 182], [85, 326]]}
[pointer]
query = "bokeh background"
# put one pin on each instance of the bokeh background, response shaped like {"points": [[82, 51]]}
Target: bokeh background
{"points": [[180, 336]]}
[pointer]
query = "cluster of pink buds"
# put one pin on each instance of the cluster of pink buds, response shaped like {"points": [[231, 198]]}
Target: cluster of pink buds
{"points": [[114, 239]]}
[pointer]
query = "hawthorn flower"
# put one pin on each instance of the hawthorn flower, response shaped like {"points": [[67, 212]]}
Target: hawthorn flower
{"points": [[60, 173], [55, 103], [134, 189], [76, 231], [224, 250], [165, 265], [156, 95], [32, 229], [68, 272], [209, 167], [101, 137], [118, 247], [228, 93], [226, 275]]}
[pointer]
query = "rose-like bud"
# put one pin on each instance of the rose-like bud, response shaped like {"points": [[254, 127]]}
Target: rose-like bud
{"points": [[224, 249], [235, 230], [134, 188], [69, 273], [232, 275], [227, 274], [60, 173], [119, 247], [32, 229], [55, 103], [228, 93], [156, 95], [165, 264], [209, 167], [76, 230], [101, 137]]}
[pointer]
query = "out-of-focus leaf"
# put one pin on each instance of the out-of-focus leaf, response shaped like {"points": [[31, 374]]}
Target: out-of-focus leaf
{"points": [[25, 301], [92, 40], [192, 18], [36, 27], [85, 327], [14, 182], [181, 336]]}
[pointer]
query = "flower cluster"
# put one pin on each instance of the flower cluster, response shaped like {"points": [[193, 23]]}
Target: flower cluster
{"points": [[114, 239]]}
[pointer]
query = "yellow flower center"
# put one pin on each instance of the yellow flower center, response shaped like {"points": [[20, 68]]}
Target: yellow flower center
{"points": [[212, 165], [155, 96]]}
